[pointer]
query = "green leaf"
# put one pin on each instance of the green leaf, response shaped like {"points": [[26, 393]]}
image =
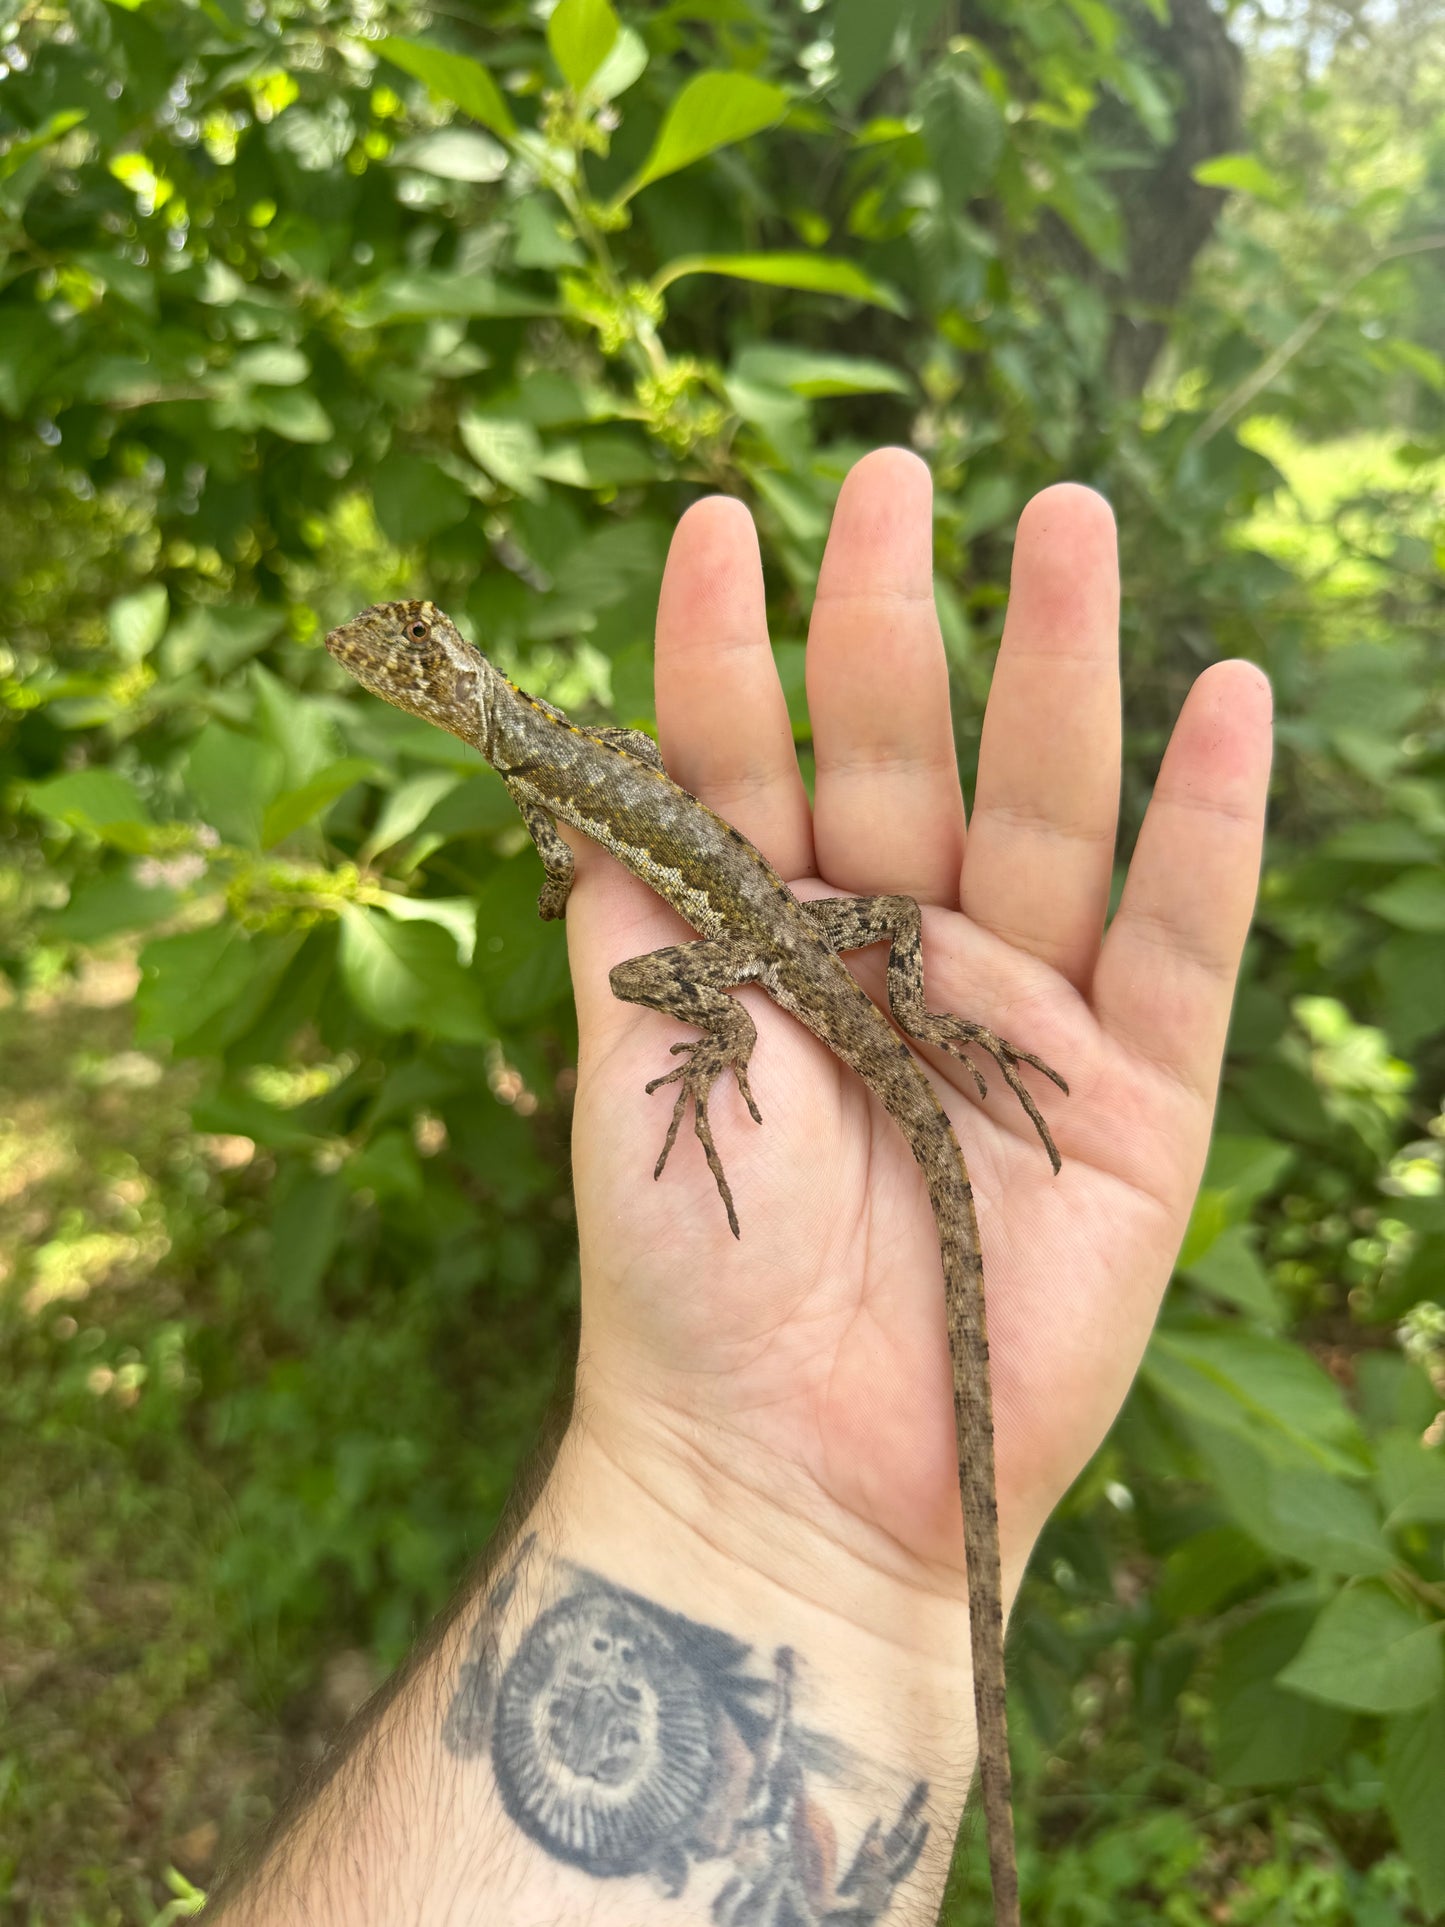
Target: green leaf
{"points": [[626, 62], [1239, 1170], [1391, 840], [422, 294], [510, 451], [100, 801], [300, 727], [1395, 1393], [1241, 174], [616, 460], [230, 779], [1264, 1735], [863, 35], [1369, 1651], [963, 129], [388, 1167], [1413, 987], [538, 240], [547, 398], [1200, 1575], [713, 110], [105, 905], [1262, 1391], [406, 808], [305, 1231], [987, 502], [415, 500], [812, 273], [50, 131], [1291, 1508], [1415, 900], [798, 502], [293, 413], [1415, 1795], [454, 154], [1230, 1270], [137, 622], [189, 980], [480, 806], [219, 635], [275, 364], [456, 915], [405, 976], [29, 345], [521, 961], [805, 371], [230, 1111], [581, 34], [1411, 1480], [1327, 1523], [1091, 209], [294, 807], [456, 77]]}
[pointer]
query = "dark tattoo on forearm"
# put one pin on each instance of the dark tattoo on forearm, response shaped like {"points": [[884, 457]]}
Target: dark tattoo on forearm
{"points": [[628, 1740]]}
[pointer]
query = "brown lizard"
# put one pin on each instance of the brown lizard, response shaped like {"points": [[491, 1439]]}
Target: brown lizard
{"points": [[611, 785]]}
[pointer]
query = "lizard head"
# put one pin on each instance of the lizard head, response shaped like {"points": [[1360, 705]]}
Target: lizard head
{"points": [[414, 656]]}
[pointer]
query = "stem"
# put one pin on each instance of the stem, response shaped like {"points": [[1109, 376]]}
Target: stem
{"points": [[1252, 385], [595, 241]]}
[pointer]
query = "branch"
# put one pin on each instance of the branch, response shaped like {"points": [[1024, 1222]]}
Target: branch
{"points": [[1252, 385]]}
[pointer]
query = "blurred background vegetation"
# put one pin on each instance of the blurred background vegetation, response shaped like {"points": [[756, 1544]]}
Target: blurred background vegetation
{"points": [[305, 303]]}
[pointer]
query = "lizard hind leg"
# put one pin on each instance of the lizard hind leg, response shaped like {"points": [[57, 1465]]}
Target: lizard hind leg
{"points": [[851, 923], [690, 981]]}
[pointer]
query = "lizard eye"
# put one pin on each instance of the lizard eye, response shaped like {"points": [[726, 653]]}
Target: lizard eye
{"points": [[419, 630]]}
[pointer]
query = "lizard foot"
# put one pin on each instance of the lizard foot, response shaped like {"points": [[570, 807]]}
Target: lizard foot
{"points": [[955, 1035], [707, 1059]]}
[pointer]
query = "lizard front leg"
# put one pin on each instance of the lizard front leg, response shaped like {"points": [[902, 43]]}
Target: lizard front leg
{"points": [[852, 923], [690, 981], [557, 859]]}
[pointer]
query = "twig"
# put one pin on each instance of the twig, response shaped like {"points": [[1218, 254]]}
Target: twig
{"points": [[1252, 385]]}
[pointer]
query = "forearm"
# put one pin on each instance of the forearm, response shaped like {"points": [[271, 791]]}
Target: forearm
{"points": [[651, 1713]]}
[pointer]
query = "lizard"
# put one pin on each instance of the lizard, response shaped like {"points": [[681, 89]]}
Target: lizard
{"points": [[610, 783]]}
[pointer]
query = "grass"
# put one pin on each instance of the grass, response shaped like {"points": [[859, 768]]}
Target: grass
{"points": [[128, 1746]]}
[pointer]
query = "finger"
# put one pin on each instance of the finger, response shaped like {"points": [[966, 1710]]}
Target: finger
{"points": [[1166, 976], [887, 811], [721, 716], [1041, 839]]}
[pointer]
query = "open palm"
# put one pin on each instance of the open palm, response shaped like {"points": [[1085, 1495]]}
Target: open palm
{"points": [[807, 1361]]}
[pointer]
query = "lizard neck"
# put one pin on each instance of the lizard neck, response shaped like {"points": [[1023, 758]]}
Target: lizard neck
{"points": [[520, 730]]}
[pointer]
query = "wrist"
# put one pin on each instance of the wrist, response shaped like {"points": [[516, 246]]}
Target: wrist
{"points": [[679, 1683], [722, 1529], [656, 1694]]}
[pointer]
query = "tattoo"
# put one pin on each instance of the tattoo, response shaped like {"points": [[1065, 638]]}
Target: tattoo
{"points": [[627, 1740]]}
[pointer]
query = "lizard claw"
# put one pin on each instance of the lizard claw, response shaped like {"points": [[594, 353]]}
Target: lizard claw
{"points": [[955, 1035], [707, 1059]]}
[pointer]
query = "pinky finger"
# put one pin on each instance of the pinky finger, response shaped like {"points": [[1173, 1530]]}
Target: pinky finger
{"points": [[1166, 976]]}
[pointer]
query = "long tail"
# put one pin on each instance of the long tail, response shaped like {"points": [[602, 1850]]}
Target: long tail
{"points": [[940, 1155], [857, 1032]]}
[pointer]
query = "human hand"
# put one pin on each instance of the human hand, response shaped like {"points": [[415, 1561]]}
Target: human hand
{"points": [[759, 1491], [805, 1367]]}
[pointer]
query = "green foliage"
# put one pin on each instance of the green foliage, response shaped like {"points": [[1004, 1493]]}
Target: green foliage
{"points": [[305, 306]]}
